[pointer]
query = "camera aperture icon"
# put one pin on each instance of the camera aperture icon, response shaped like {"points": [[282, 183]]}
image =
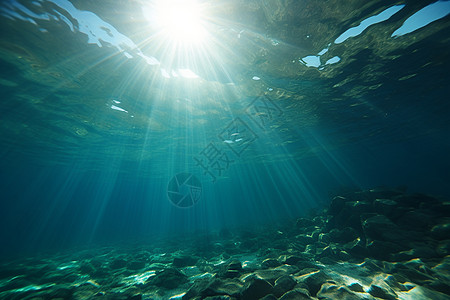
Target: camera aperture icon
{"points": [[184, 190]]}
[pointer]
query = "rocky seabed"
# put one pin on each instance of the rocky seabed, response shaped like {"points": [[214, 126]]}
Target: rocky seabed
{"points": [[373, 244]]}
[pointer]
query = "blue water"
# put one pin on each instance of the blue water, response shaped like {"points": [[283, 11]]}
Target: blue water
{"points": [[101, 108]]}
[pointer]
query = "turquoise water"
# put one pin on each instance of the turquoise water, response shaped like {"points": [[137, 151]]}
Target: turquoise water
{"points": [[123, 121]]}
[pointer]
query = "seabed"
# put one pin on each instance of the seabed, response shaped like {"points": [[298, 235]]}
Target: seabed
{"points": [[373, 244]]}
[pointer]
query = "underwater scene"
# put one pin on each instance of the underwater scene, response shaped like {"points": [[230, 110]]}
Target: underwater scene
{"points": [[224, 149]]}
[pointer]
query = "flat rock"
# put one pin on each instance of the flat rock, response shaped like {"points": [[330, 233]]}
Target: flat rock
{"points": [[356, 287], [283, 284], [269, 297], [417, 220], [336, 205], [313, 280], [235, 265], [222, 297], [168, 278], [379, 292], [344, 235], [296, 294], [443, 248], [441, 231], [380, 228], [419, 251], [332, 291], [270, 263], [385, 206], [294, 259], [200, 287], [256, 289], [183, 261], [231, 287], [136, 265], [383, 249], [118, 263], [270, 274]]}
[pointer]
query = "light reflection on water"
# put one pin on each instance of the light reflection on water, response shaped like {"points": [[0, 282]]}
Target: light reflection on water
{"points": [[167, 92]]}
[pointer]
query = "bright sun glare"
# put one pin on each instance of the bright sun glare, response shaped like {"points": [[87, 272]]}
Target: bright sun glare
{"points": [[179, 20]]}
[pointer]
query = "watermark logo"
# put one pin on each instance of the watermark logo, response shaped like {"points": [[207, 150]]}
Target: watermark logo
{"points": [[263, 110], [213, 161], [216, 158], [184, 190]]}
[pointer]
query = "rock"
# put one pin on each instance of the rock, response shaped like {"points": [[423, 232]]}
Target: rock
{"points": [[232, 287], [441, 231], [273, 274], [283, 284], [440, 286], [270, 263], [343, 255], [168, 278], [256, 289], [324, 238], [136, 265], [310, 249], [417, 220], [313, 281], [385, 207], [304, 239], [441, 209], [232, 270], [293, 259], [412, 201], [344, 235], [392, 282], [59, 291], [380, 228], [183, 261], [269, 297], [417, 251], [279, 244], [235, 265], [297, 294], [384, 192], [443, 248], [336, 205], [135, 297], [419, 265], [315, 235], [379, 292], [443, 266], [85, 291], [201, 287], [87, 268], [118, 263], [225, 297], [356, 287], [382, 249], [231, 274], [333, 291], [373, 265], [327, 252], [356, 248], [412, 274], [359, 207], [302, 265]]}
